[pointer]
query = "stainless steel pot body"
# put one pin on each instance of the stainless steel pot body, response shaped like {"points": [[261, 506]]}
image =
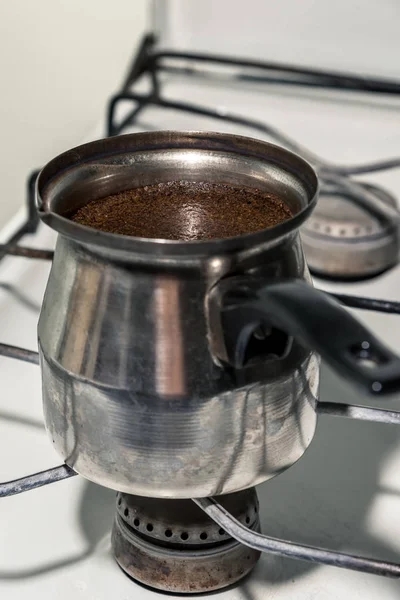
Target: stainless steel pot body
{"points": [[138, 392]]}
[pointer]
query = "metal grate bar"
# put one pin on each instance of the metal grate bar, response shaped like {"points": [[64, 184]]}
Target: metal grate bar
{"points": [[362, 413], [13, 240], [386, 306], [31, 222], [24, 484], [279, 547], [19, 353], [331, 79], [29, 252]]}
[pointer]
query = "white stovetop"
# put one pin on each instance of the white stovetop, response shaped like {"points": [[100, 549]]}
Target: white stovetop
{"points": [[345, 492]]}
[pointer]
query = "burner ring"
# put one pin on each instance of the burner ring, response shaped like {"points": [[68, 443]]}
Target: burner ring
{"points": [[343, 240], [179, 523], [192, 563]]}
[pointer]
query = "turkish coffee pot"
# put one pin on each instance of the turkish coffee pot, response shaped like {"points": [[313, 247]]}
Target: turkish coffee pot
{"points": [[181, 369]]}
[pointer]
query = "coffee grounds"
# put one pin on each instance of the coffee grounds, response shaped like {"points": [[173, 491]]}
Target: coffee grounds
{"points": [[184, 210]]}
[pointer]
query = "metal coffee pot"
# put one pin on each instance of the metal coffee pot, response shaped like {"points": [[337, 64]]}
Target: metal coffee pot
{"points": [[187, 369]]}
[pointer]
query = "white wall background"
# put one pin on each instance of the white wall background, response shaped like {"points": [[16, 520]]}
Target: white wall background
{"points": [[59, 62]]}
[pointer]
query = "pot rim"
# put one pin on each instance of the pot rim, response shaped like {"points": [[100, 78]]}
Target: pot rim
{"points": [[164, 140]]}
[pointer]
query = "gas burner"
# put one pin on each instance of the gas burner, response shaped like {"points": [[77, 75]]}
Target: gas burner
{"points": [[343, 240], [173, 546]]}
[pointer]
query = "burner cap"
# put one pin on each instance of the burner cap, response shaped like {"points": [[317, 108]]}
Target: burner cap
{"points": [[343, 240], [173, 546]]}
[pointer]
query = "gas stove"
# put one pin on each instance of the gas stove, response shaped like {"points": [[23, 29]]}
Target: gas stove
{"points": [[343, 495]]}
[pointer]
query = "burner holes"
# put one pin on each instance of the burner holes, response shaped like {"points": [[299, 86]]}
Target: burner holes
{"points": [[248, 557], [149, 527], [256, 509], [328, 229], [184, 536], [203, 535], [316, 225], [247, 519], [119, 501], [342, 232], [126, 512], [168, 533], [356, 230], [136, 522], [221, 532]]}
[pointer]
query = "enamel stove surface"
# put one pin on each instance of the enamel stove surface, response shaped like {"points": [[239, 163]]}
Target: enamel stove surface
{"points": [[343, 494]]}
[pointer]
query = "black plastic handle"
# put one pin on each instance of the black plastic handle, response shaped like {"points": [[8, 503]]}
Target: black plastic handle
{"points": [[315, 320]]}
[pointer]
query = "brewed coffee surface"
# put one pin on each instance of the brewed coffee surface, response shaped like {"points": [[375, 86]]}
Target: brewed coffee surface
{"points": [[184, 210]]}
